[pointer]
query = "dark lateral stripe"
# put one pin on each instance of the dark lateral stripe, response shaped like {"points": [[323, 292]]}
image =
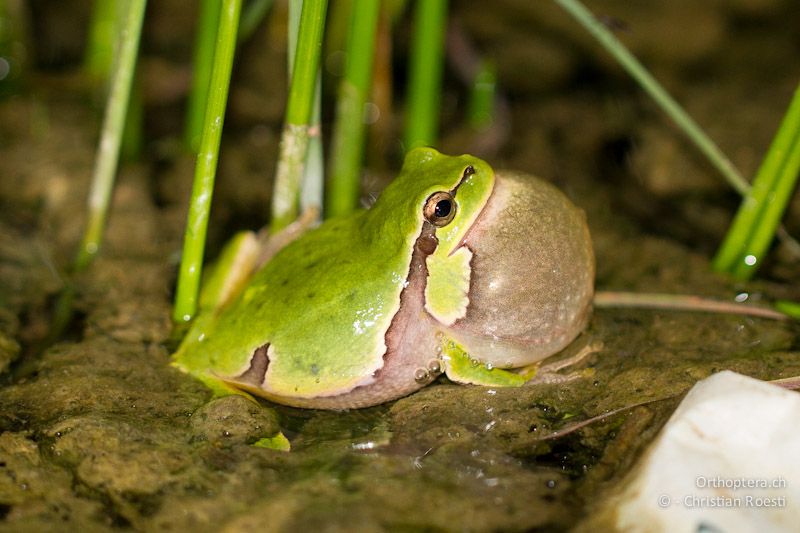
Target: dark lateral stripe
{"points": [[259, 362]]}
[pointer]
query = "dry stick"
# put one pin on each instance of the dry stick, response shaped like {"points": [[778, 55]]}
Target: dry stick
{"points": [[677, 302]]}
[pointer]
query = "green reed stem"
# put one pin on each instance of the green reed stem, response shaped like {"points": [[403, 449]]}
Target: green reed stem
{"points": [[789, 308], [111, 135], [481, 102], [103, 25], [349, 130], [762, 208], [657, 93], [205, 43], [295, 135], [425, 78], [252, 15], [206, 166]]}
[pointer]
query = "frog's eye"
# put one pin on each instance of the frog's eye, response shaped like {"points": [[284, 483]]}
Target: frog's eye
{"points": [[440, 208]]}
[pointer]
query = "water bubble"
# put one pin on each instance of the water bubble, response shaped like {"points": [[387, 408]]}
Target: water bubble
{"points": [[420, 375], [741, 297], [371, 113], [489, 366], [551, 483], [750, 260], [364, 446], [5, 68]]}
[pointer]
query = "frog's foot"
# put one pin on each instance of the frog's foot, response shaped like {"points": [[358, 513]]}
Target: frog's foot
{"points": [[271, 243], [460, 368], [548, 374]]}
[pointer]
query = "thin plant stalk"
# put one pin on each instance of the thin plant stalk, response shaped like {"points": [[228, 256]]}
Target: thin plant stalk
{"points": [[206, 166], [295, 135], [656, 92], [204, 44], [350, 129], [111, 135], [762, 208], [425, 78], [106, 162], [667, 104]]}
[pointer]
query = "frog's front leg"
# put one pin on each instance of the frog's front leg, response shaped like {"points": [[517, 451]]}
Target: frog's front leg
{"points": [[462, 368]]}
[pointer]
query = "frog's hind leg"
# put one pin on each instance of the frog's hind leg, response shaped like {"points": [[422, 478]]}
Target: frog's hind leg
{"points": [[461, 368], [548, 374]]}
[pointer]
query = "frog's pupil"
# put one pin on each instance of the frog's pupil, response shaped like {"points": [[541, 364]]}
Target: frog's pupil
{"points": [[443, 208]]}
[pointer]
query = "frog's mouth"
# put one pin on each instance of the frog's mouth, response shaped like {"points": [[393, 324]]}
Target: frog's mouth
{"points": [[531, 274]]}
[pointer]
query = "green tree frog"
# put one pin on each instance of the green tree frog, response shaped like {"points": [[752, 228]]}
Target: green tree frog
{"points": [[454, 270]]}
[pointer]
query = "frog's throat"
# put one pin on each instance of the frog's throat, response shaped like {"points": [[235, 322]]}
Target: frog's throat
{"points": [[409, 340]]}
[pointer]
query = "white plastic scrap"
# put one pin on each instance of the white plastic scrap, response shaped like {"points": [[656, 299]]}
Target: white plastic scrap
{"points": [[727, 460]]}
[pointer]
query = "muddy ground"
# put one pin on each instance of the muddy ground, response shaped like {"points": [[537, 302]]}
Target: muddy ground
{"points": [[97, 432]]}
